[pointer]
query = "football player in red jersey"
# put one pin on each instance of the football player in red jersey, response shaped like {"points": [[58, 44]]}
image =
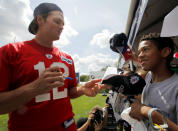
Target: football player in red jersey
{"points": [[38, 79]]}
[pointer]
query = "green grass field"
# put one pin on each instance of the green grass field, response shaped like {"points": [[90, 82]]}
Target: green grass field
{"points": [[82, 105], [3, 122], [81, 108]]}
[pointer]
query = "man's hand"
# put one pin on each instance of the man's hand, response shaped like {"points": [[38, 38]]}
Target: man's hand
{"points": [[92, 87], [49, 79]]}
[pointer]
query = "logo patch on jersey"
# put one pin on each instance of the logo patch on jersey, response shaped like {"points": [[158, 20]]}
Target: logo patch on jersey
{"points": [[69, 61], [49, 56]]}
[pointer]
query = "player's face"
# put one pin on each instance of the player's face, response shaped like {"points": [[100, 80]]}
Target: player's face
{"points": [[149, 56], [54, 25]]}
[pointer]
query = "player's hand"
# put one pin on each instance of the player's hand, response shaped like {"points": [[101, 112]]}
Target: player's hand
{"points": [[92, 87], [49, 79]]}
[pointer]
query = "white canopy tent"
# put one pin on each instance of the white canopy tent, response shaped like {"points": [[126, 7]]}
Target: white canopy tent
{"points": [[170, 24]]}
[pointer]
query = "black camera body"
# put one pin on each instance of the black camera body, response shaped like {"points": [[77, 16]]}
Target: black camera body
{"points": [[98, 117], [111, 124]]}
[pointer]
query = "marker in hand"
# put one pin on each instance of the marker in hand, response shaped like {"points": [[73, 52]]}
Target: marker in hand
{"points": [[69, 78]]}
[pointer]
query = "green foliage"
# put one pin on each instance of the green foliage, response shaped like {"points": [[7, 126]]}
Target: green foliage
{"points": [[84, 78]]}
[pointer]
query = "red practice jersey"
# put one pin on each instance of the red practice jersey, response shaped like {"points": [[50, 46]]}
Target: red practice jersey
{"points": [[22, 63]]}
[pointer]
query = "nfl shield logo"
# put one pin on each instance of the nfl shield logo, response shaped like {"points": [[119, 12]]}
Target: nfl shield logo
{"points": [[49, 56]]}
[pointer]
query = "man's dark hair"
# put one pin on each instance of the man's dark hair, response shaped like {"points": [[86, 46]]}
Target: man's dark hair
{"points": [[160, 43], [43, 10], [34, 26]]}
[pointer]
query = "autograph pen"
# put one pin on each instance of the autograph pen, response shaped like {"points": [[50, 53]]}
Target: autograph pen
{"points": [[69, 78]]}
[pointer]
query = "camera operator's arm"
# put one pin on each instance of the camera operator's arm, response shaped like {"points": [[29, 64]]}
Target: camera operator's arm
{"points": [[140, 112], [87, 123], [97, 126]]}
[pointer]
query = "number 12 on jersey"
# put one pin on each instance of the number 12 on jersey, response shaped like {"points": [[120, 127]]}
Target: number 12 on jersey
{"points": [[56, 94]]}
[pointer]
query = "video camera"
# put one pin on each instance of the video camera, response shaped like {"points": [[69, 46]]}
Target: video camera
{"points": [[118, 41], [111, 123], [118, 44]]}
